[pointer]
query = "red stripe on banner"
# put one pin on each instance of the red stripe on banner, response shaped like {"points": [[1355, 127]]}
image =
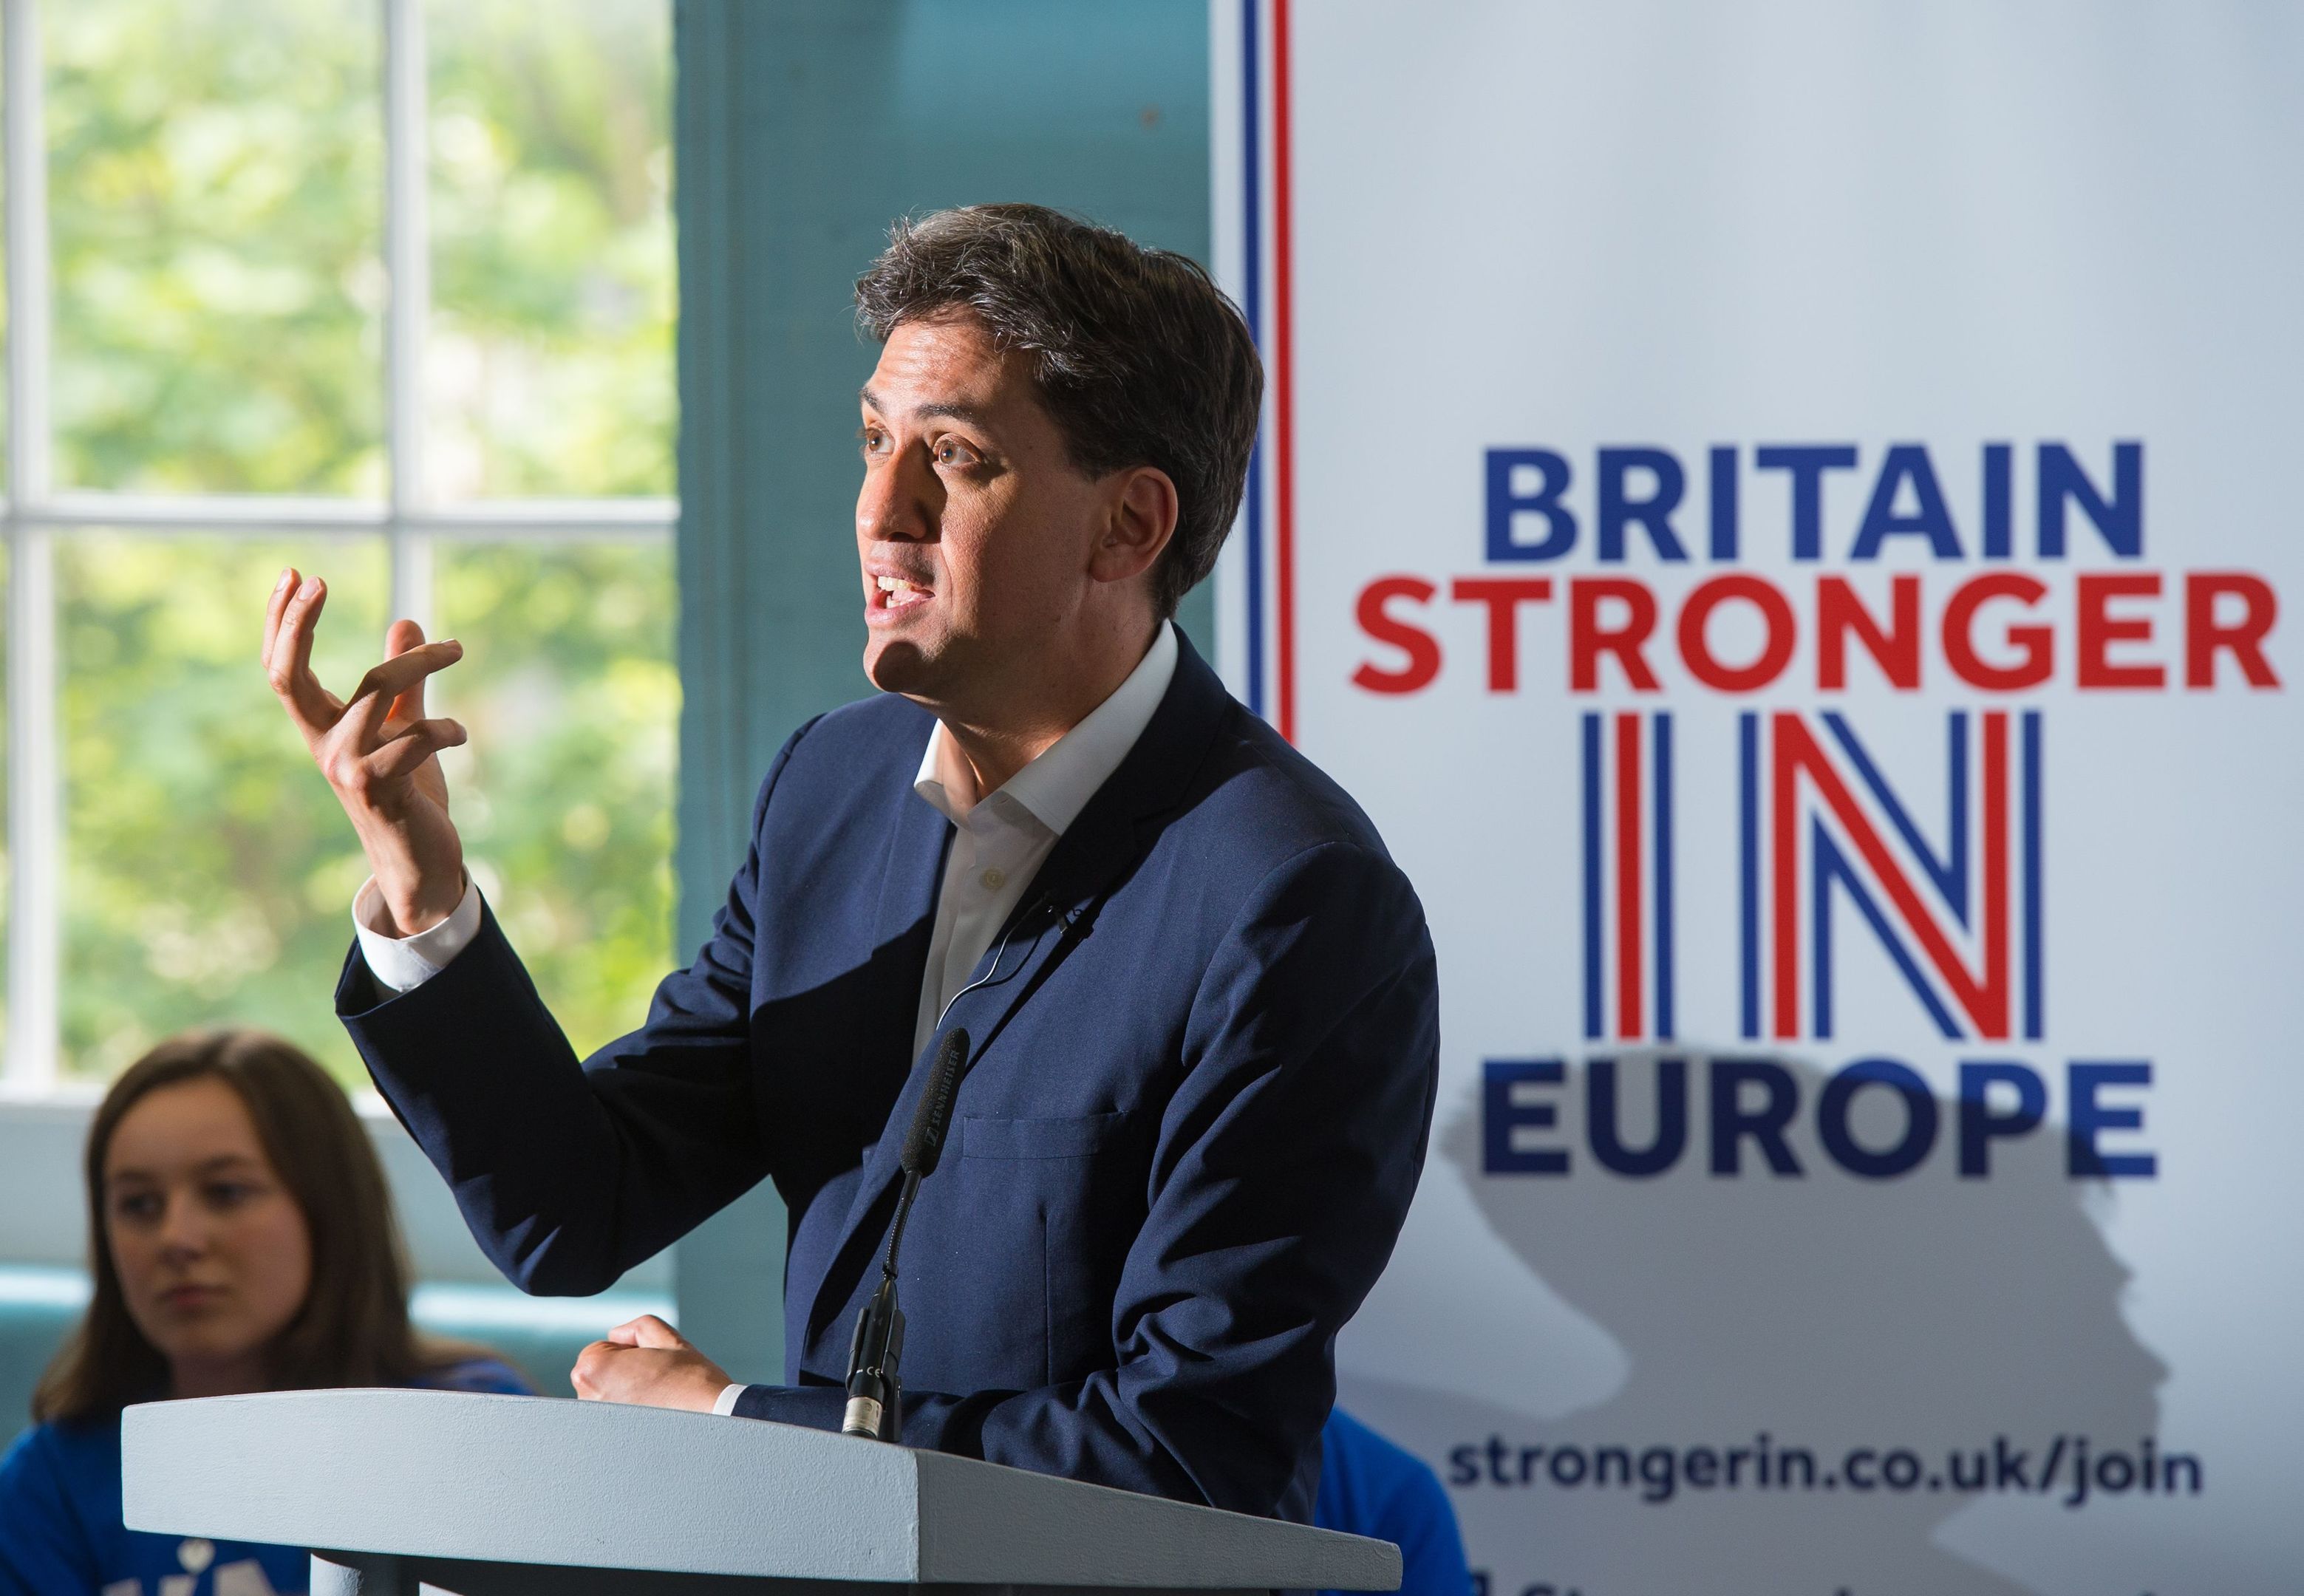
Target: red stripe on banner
{"points": [[1785, 878], [1993, 1016], [1628, 875], [1282, 383], [1986, 999]]}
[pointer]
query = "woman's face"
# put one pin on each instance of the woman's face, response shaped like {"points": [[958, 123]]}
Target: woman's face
{"points": [[214, 1255]]}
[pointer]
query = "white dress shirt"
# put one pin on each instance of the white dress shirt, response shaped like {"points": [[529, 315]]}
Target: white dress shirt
{"points": [[998, 844]]}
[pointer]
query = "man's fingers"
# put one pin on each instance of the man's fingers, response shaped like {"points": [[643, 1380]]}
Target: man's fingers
{"points": [[404, 670], [399, 638], [299, 618], [648, 1331], [645, 1361], [587, 1373], [412, 747], [281, 590], [289, 661], [384, 684]]}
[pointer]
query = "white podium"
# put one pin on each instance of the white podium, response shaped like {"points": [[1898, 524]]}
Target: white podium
{"points": [[398, 1490]]}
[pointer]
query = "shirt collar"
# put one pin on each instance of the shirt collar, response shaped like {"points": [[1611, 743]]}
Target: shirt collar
{"points": [[1055, 787]]}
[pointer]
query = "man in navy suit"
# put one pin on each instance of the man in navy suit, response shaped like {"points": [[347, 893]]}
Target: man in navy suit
{"points": [[1201, 996]]}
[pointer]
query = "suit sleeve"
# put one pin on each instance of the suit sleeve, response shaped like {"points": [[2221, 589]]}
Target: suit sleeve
{"points": [[570, 1174], [1282, 1175]]}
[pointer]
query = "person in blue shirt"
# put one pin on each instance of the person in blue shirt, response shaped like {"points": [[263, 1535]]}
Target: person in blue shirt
{"points": [[242, 1239], [1368, 1486]]}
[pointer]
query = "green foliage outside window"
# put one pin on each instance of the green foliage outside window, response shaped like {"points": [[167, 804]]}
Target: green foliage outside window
{"points": [[552, 286], [217, 203], [564, 794], [208, 873], [215, 173]]}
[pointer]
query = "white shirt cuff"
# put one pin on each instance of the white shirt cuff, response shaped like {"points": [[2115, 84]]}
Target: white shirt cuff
{"points": [[726, 1404], [405, 963]]}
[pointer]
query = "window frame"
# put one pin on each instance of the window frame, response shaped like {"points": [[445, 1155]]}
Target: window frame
{"points": [[34, 515]]}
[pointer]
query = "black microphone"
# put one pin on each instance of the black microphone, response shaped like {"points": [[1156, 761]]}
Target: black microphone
{"points": [[874, 1392]]}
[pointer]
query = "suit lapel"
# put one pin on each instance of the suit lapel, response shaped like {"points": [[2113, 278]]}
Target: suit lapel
{"points": [[903, 926], [901, 929], [1110, 835]]}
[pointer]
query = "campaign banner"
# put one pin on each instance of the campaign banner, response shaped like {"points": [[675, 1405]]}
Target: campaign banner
{"points": [[1781, 514]]}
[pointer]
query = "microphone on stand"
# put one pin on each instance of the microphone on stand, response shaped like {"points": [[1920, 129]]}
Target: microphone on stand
{"points": [[874, 1390]]}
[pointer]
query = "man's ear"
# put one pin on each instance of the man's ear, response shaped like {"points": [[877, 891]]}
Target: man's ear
{"points": [[1139, 519]]}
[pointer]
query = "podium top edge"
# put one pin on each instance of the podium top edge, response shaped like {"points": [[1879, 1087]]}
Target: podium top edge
{"points": [[546, 1481]]}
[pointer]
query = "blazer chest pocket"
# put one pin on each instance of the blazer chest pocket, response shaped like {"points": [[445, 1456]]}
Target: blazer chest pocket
{"points": [[986, 1137], [1063, 1191]]}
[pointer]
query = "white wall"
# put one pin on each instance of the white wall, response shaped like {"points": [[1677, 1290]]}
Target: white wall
{"points": [[41, 1207]]}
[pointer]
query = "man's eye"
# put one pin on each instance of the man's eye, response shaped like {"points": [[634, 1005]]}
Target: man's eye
{"points": [[872, 442], [952, 452]]}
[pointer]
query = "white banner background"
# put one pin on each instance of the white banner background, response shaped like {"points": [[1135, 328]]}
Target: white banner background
{"points": [[1544, 226]]}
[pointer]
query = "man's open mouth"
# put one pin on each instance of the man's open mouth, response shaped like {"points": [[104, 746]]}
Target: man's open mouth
{"points": [[897, 593]]}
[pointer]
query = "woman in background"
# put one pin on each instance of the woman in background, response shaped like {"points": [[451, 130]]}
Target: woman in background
{"points": [[1371, 1485], [242, 1239]]}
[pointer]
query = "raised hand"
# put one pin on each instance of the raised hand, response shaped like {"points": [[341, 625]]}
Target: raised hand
{"points": [[378, 752]]}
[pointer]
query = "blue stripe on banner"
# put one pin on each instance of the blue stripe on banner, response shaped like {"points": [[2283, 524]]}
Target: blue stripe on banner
{"points": [[1252, 295], [1591, 875], [2034, 1019], [1832, 865], [1827, 863], [1662, 780], [1748, 864], [1951, 874]]}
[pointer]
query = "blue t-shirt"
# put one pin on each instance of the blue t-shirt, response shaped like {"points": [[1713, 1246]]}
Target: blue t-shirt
{"points": [[61, 1534], [1370, 1487]]}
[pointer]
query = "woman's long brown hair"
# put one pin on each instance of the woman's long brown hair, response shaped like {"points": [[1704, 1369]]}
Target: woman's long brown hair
{"points": [[353, 1328]]}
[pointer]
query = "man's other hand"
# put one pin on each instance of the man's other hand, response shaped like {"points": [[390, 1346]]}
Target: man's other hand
{"points": [[647, 1362], [378, 752]]}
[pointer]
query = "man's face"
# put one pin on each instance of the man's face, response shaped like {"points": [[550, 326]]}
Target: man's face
{"points": [[975, 531]]}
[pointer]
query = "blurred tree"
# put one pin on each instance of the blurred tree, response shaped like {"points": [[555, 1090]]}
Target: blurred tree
{"points": [[563, 795], [214, 171], [209, 872], [216, 195], [549, 364]]}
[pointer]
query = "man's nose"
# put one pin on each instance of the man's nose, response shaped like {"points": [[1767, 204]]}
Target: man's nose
{"points": [[900, 501]]}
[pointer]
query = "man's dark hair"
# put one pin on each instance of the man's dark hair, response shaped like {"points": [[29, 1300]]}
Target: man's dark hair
{"points": [[1139, 359]]}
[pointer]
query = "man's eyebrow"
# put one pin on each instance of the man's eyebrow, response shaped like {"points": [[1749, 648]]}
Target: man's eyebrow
{"points": [[957, 409]]}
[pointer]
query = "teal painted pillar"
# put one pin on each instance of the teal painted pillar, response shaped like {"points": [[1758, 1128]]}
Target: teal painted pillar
{"points": [[804, 126]]}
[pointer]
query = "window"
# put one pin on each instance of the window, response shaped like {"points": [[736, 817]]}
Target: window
{"points": [[381, 288]]}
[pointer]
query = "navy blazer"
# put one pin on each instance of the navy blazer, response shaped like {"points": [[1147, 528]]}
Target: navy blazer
{"points": [[1203, 1062]]}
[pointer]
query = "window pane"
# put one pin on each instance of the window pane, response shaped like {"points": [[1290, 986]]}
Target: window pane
{"points": [[550, 366], [7, 879], [564, 793], [215, 195], [208, 873], [4, 328]]}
